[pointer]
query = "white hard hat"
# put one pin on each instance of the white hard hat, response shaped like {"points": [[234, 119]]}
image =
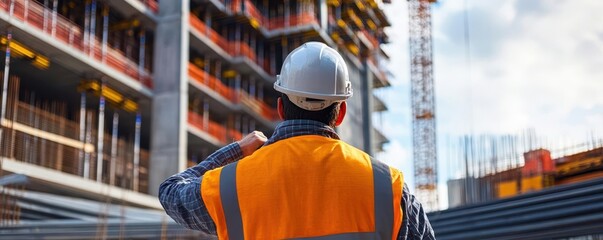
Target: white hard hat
{"points": [[315, 71]]}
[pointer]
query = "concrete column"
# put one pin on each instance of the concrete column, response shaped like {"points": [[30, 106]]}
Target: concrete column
{"points": [[87, 157], [82, 132], [92, 35], [114, 138], [105, 32], [141, 52], [367, 108], [136, 160], [55, 5], [86, 23], [5, 81], [324, 14], [25, 11], [100, 139], [170, 103]]}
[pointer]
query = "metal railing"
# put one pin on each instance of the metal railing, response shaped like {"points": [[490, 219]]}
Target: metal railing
{"points": [[208, 32], [258, 106], [253, 12], [211, 82], [151, 4], [43, 136], [232, 48], [303, 18], [242, 49], [295, 19], [232, 95], [371, 38], [44, 139], [216, 130], [44, 19]]}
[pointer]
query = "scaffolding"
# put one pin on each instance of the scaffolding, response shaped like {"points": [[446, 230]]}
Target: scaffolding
{"points": [[101, 141], [39, 132], [67, 32]]}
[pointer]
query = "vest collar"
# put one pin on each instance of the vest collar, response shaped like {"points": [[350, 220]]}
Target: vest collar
{"points": [[298, 127]]}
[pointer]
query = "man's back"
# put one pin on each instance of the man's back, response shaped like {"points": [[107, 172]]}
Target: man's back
{"points": [[304, 182], [309, 186], [318, 186]]}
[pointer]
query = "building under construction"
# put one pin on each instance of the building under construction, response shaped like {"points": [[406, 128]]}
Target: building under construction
{"points": [[534, 195], [102, 100], [501, 167]]}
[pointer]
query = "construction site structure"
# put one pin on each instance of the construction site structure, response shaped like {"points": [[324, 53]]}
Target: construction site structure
{"points": [[569, 211], [423, 103], [497, 167], [523, 187], [103, 100], [232, 51]]}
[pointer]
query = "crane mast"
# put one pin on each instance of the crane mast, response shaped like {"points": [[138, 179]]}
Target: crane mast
{"points": [[423, 103]]}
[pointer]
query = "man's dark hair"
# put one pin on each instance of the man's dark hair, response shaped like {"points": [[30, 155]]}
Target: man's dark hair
{"points": [[327, 116]]}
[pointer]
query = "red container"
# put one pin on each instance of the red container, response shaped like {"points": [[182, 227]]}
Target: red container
{"points": [[537, 162]]}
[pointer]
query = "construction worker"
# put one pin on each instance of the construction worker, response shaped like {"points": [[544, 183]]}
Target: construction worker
{"points": [[304, 182]]}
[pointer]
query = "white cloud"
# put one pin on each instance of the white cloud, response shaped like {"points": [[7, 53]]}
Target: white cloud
{"points": [[399, 157], [534, 64], [536, 75]]}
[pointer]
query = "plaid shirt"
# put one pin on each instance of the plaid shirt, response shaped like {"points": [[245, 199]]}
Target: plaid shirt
{"points": [[180, 194]]}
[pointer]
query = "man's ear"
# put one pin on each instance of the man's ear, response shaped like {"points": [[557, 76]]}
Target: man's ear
{"points": [[343, 107], [280, 109]]}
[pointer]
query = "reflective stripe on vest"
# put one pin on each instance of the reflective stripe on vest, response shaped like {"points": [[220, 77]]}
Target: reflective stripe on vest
{"points": [[230, 201], [383, 205]]}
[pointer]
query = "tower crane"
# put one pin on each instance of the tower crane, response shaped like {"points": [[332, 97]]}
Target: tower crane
{"points": [[423, 103]]}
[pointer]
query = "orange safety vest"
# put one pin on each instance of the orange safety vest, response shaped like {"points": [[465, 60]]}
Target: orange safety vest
{"points": [[309, 187]]}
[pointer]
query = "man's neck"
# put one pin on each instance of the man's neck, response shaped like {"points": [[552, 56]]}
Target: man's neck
{"points": [[298, 127]]}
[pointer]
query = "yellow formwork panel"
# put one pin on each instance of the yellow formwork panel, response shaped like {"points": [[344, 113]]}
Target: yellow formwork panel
{"points": [[507, 189], [534, 183], [579, 165]]}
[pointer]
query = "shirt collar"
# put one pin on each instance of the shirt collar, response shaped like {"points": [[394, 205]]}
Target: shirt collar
{"points": [[298, 127]]}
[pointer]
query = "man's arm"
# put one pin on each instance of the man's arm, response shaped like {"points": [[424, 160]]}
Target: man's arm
{"points": [[180, 194], [415, 224]]}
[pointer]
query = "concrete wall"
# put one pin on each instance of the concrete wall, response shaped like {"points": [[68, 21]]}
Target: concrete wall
{"points": [[352, 129], [170, 103]]}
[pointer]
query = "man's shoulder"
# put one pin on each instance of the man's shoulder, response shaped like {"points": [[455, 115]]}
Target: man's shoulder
{"points": [[351, 147]]}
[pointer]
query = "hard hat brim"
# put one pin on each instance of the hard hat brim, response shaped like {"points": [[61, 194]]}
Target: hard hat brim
{"points": [[331, 97]]}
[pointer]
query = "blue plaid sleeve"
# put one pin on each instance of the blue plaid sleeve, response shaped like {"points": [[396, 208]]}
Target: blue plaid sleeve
{"points": [[180, 194], [415, 224]]}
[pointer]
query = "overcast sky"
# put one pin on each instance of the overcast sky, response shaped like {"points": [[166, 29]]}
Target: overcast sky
{"points": [[533, 64]]}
